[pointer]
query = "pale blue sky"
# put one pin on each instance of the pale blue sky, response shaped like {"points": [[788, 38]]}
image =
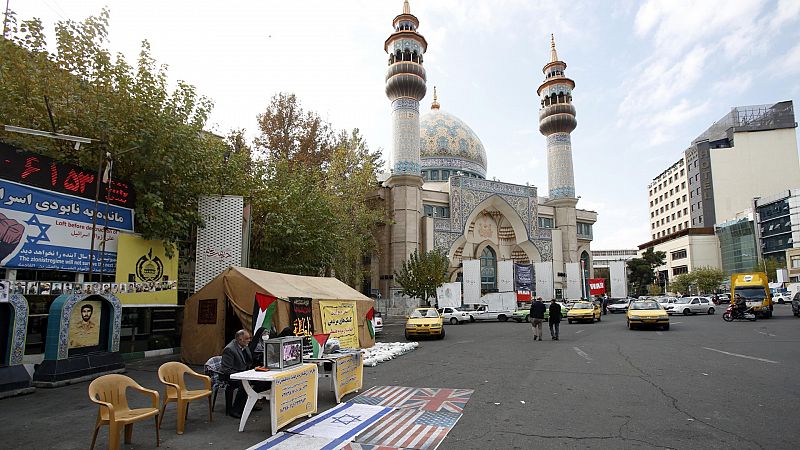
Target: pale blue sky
{"points": [[650, 75]]}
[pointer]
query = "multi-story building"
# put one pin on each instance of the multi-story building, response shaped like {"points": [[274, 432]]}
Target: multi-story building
{"points": [[748, 153], [601, 259]]}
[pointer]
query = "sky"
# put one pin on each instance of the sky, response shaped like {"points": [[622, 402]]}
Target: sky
{"points": [[650, 75]]}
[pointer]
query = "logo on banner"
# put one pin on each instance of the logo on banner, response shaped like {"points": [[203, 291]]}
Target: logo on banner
{"points": [[149, 268]]}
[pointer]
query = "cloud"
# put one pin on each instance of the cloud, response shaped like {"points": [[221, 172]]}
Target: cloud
{"points": [[791, 61], [736, 84]]}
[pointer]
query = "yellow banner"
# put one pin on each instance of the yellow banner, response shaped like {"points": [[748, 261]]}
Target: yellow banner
{"points": [[339, 319], [146, 263], [349, 374], [295, 394]]}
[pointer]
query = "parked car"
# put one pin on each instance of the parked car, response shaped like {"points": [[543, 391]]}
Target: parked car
{"points": [[377, 323], [584, 311], [523, 314], [617, 305], [782, 298], [796, 304], [646, 312], [424, 322], [454, 316], [666, 301], [691, 305]]}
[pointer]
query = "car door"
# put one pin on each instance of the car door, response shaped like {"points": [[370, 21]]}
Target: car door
{"points": [[695, 305], [705, 304]]}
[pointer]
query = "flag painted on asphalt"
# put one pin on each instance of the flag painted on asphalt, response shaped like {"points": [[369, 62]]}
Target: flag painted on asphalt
{"points": [[410, 428], [430, 399], [289, 441], [264, 308], [342, 422]]}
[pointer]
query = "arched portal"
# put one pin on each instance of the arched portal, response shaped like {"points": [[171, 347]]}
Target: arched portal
{"points": [[488, 270]]}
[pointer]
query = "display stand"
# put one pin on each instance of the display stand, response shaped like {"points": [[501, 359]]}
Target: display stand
{"points": [[345, 370]]}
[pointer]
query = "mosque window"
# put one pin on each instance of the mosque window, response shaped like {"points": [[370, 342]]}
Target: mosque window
{"points": [[488, 271], [545, 222], [428, 210], [442, 211], [425, 175], [584, 229], [434, 175], [445, 174]]}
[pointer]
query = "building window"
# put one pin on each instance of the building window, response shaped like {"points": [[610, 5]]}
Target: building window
{"points": [[488, 271], [684, 197], [442, 211], [584, 229], [425, 175], [795, 262], [680, 270], [434, 175], [678, 254], [545, 222], [445, 174], [427, 210]]}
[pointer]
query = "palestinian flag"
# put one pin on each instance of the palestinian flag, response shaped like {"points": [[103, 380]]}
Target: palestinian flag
{"points": [[318, 344], [264, 308], [370, 316]]}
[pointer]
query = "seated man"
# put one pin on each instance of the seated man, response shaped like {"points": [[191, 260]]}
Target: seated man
{"points": [[236, 357]]}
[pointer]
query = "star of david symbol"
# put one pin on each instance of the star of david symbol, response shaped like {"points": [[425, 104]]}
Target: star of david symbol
{"points": [[346, 419], [42, 230]]}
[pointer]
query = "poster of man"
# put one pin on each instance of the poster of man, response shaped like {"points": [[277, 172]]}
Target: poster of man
{"points": [[84, 324]]}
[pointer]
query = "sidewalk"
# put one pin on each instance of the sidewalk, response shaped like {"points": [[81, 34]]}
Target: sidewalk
{"points": [[64, 418]]}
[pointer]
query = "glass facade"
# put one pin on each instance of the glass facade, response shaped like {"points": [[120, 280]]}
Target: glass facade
{"points": [[737, 244]]}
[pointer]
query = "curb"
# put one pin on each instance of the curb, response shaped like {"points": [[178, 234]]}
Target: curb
{"points": [[150, 353]]}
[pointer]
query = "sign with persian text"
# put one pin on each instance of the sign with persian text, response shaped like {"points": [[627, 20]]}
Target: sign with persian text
{"points": [[339, 319]]}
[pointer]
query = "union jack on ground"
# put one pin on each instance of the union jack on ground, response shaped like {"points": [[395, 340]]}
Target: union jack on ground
{"points": [[430, 399]]}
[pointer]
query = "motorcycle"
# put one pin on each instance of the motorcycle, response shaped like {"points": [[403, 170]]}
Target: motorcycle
{"points": [[732, 314]]}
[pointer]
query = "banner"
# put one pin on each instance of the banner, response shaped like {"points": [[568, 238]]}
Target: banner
{"points": [[219, 243], [145, 261], [295, 393], [505, 276], [449, 294], [339, 319], [302, 323], [544, 280], [523, 282], [597, 286], [472, 281], [574, 290], [619, 280], [349, 374], [40, 229]]}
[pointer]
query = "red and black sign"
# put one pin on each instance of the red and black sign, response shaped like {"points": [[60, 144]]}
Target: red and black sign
{"points": [[40, 171], [597, 286]]}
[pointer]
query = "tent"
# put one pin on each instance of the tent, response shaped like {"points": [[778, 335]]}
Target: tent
{"points": [[225, 304]]}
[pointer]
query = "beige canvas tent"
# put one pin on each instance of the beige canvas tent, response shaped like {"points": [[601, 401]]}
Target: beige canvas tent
{"points": [[225, 304]]}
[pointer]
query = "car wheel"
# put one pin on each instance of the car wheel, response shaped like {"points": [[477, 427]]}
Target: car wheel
{"points": [[441, 335], [502, 318], [598, 318], [569, 320], [408, 338], [528, 318], [453, 321], [665, 327], [711, 310], [630, 327], [472, 319], [686, 312]]}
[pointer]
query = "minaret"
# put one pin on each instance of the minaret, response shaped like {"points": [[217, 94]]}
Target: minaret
{"points": [[405, 87], [556, 121]]}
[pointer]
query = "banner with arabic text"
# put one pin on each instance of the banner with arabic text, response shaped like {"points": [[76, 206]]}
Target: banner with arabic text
{"points": [[339, 319], [40, 229]]}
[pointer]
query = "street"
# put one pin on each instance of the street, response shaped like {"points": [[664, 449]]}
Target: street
{"points": [[704, 383]]}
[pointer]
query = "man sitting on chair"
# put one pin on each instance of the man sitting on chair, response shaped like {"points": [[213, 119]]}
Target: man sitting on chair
{"points": [[236, 357]]}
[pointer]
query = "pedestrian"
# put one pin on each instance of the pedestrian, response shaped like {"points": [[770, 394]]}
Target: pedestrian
{"points": [[605, 304], [537, 317], [555, 319]]}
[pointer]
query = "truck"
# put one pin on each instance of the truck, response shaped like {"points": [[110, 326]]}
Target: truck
{"points": [[754, 289], [495, 306]]}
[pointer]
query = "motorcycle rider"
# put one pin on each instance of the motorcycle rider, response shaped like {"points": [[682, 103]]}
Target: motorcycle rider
{"points": [[740, 306]]}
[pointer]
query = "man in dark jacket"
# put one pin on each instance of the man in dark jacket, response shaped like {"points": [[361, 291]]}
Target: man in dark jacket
{"points": [[555, 319], [237, 357], [537, 317]]}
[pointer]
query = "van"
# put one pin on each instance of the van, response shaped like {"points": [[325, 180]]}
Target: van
{"points": [[754, 288]]}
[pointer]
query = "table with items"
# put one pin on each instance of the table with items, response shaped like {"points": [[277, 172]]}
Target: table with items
{"points": [[293, 393], [344, 369]]}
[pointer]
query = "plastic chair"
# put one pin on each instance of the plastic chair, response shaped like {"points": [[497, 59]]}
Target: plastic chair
{"points": [[110, 392], [213, 369], [172, 375]]}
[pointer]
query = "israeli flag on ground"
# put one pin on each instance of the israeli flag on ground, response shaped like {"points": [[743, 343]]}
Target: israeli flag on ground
{"points": [[343, 422], [288, 441]]}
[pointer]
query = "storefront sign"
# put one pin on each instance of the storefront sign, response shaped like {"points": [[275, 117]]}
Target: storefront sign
{"points": [[349, 374], [295, 392], [339, 319], [46, 230], [146, 262]]}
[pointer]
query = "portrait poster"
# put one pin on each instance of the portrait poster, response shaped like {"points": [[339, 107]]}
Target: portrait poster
{"points": [[295, 393], [349, 374], [5, 290], [339, 319], [84, 324]]}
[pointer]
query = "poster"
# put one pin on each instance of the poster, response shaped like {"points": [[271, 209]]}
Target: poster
{"points": [[597, 286], [295, 392], [302, 323], [349, 374], [523, 282], [40, 229], [84, 324], [339, 319], [145, 263]]}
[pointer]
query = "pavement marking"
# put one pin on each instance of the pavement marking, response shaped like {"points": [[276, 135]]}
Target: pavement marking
{"points": [[659, 333], [579, 331], [765, 333], [742, 356], [675, 323], [582, 354]]}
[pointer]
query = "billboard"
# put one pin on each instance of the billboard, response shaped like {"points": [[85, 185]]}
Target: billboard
{"points": [[505, 276], [145, 261], [472, 281], [619, 279], [574, 290], [219, 244], [41, 229], [544, 280]]}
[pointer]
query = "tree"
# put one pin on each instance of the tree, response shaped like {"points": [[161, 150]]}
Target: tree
{"points": [[770, 266], [707, 279], [641, 270], [420, 275], [655, 259], [94, 94], [680, 284], [654, 289]]}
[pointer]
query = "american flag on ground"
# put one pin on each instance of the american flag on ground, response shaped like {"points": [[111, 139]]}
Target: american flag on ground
{"points": [[410, 428], [357, 446], [431, 399]]}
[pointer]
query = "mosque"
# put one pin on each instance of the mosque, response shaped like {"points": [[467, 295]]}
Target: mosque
{"points": [[439, 198]]}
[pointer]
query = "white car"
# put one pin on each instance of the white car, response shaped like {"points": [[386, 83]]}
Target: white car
{"points": [[691, 305], [666, 301], [454, 316], [617, 305], [782, 298], [377, 322]]}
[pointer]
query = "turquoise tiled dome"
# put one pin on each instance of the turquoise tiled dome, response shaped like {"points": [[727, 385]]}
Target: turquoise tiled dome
{"points": [[446, 142]]}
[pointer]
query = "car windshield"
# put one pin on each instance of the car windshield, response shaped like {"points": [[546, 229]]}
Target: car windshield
{"points": [[683, 300], [644, 305], [417, 313], [582, 306], [751, 294]]}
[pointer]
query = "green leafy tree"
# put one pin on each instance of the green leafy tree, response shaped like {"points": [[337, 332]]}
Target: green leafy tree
{"points": [[421, 274], [155, 134], [707, 279], [654, 289], [770, 266], [680, 284], [641, 270]]}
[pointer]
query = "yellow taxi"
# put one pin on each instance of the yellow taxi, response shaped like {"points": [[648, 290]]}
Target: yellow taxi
{"points": [[647, 313], [424, 322], [584, 311]]}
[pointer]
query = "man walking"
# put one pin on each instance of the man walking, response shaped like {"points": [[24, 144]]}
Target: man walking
{"points": [[537, 317], [555, 319]]}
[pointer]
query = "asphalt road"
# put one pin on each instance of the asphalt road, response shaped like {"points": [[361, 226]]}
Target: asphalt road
{"points": [[704, 383]]}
